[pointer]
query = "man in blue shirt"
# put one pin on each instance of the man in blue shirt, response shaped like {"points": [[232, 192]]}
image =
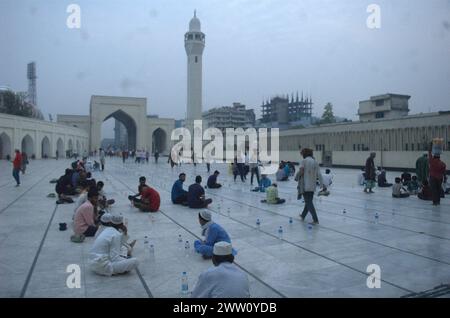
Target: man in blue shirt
{"points": [[212, 181], [263, 184], [179, 195], [213, 233], [196, 195]]}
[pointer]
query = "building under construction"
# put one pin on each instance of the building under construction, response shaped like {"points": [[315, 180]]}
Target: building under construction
{"points": [[280, 111]]}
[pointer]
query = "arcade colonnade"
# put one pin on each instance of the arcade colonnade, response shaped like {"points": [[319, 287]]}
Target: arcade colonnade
{"points": [[39, 138]]}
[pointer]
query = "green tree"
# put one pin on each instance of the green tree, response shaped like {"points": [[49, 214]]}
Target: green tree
{"points": [[328, 116], [14, 104]]}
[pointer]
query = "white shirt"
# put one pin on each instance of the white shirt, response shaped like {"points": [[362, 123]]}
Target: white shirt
{"points": [[327, 179], [223, 281], [311, 174], [105, 250]]}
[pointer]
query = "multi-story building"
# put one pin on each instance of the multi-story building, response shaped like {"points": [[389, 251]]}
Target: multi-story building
{"points": [[281, 113], [229, 117], [387, 106]]}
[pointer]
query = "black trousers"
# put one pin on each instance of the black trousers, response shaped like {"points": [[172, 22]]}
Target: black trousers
{"points": [[309, 206], [181, 199], [215, 186], [254, 171], [91, 230], [203, 205], [436, 186]]}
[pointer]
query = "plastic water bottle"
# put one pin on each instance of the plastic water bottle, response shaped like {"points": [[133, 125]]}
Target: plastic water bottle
{"points": [[258, 224], [187, 248], [376, 218], [280, 232], [184, 284], [151, 250], [291, 221]]}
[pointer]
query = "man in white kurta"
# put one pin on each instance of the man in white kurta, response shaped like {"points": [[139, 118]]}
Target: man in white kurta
{"points": [[224, 280], [105, 255]]}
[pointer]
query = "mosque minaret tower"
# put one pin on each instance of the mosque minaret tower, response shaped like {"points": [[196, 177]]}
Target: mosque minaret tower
{"points": [[194, 43]]}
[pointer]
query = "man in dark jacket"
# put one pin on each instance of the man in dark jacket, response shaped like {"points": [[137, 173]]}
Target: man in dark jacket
{"points": [[196, 195], [370, 173]]}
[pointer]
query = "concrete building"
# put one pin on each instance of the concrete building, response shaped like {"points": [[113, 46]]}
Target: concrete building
{"points": [[281, 113], [398, 142], [143, 131], [386, 106], [194, 44], [229, 117], [39, 138]]}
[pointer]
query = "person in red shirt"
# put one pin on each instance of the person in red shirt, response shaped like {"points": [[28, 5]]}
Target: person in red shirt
{"points": [[436, 171], [17, 165], [150, 200]]}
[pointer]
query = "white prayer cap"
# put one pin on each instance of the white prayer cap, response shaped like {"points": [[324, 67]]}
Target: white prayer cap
{"points": [[117, 219], [222, 249], [206, 215], [106, 217]]}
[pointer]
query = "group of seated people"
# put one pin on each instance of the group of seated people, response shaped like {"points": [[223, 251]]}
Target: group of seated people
{"points": [[111, 253], [73, 182], [283, 172], [407, 185], [194, 198]]}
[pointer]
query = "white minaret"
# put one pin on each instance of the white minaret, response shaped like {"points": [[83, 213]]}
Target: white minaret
{"points": [[194, 43]]}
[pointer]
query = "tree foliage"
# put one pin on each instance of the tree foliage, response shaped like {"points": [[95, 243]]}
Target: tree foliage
{"points": [[13, 104], [328, 116]]}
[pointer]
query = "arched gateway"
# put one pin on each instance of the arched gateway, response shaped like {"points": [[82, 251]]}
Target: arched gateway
{"points": [[131, 112]]}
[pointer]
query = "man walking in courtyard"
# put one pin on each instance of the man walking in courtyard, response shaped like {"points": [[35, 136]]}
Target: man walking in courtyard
{"points": [[437, 172], [102, 158], [310, 174], [370, 173], [17, 164]]}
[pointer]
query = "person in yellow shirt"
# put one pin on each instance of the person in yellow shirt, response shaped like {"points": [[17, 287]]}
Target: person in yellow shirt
{"points": [[272, 195]]}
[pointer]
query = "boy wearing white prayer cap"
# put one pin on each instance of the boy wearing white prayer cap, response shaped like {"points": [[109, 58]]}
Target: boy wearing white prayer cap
{"points": [[105, 256]]}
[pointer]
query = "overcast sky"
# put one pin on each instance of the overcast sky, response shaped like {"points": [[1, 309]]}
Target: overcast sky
{"points": [[254, 49]]}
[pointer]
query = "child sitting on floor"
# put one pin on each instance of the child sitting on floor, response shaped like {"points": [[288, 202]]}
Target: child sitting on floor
{"points": [[413, 185], [398, 191]]}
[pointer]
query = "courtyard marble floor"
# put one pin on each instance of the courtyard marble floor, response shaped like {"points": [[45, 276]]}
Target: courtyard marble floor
{"points": [[410, 241]]}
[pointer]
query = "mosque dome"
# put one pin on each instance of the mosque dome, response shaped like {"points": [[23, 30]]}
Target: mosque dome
{"points": [[194, 24]]}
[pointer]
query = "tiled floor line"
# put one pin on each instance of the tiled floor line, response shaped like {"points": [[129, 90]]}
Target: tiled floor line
{"points": [[380, 211], [294, 244], [347, 234], [30, 272], [28, 190], [346, 216], [195, 235]]}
